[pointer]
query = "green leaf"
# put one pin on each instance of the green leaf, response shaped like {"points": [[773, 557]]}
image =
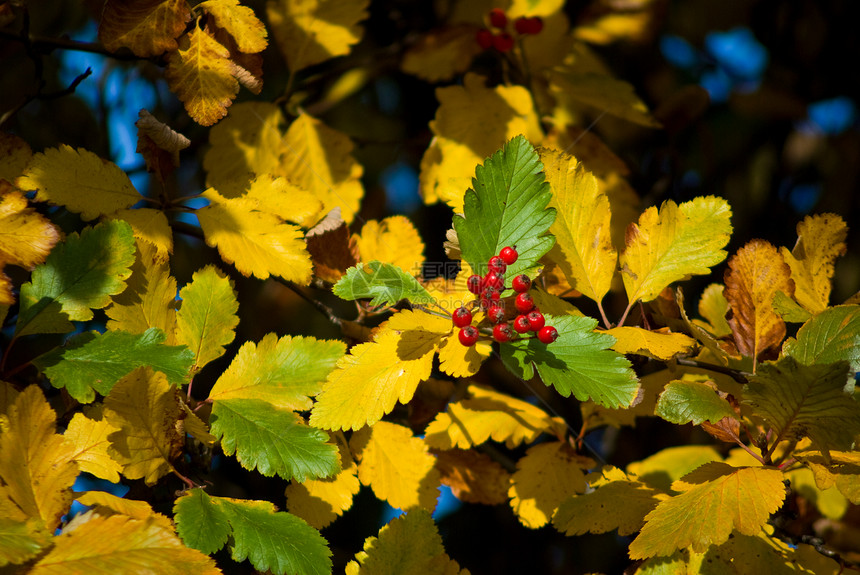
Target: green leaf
{"points": [[806, 401], [683, 402], [80, 274], [207, 320], [269, 539], [788, 309], [21, 540], [100, 362], [831, 336], [387, 284], [272, 440], [507, 206], [578, 362]]}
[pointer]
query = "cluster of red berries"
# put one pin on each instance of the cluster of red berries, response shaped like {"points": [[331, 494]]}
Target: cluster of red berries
{"points": [[489, 291], [502, 40]]}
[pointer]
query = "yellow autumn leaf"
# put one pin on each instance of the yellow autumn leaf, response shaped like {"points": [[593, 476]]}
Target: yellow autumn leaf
{"points": [[659, 344], [121, 505], [120, 544], [441, 54], [458, 360], [146, 27], [820, 240], [582, 227], [394, 240], [36, 464], [374, 376], [450, 294], [613, 27], [488, 414], [200, 73], [396, 465], [321, 501], [672, 244], [285, 199], [144, 408], [830, 502], [713, 307], [15, 154], [313, 31], [473, 477], [668, 465], [541, 8], [195, 427], [240, 22], [546, 475], [716, 500], [26, 237], [150, 226], [257, 243], [471, 123], [88, 434], [20, 538], [8, 395], [841, 471], [79, 180]]}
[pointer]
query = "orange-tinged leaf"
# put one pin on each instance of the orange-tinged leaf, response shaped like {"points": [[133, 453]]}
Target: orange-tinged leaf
{"points": [[441, 54], [88, 435], [146, 27], [79, 180], [546, 475], [36, 464], [144, 407], [754, 276], [207, 320], [394, 240], [150, 226], [200, 73], [659, 344], [820, 240], [119, 544], [240, 21], [473, 477], [396, 465], [582, 226], [258, 243], [716, 500], [374, 376], [672, 244], [313, 31], [15, 154]]}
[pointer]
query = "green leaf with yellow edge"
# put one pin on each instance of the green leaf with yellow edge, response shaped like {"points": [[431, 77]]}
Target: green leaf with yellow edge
{"points": [[617, 502], [582, 226], [120, 544], [315, 31], [257, 242], [800, 401], [408, 544], [820, 240], [659, 344], [144, 408], [321, 501], [272, 440], [88, 434], [547, 475], [716, 500], [99, 363], [507, 206], [693, 401], [840, 470], [150, 226], [672, 244], [788, 309], [488, 414], [831, 336], [578, 362], [284, 372], [393, 240], [396, 465], [207, 320], [240, 22], [668, 465], [80, 181], [714, 307], [21, 540], [80, 274], [374, 376], [146, 28], [386, 283]]}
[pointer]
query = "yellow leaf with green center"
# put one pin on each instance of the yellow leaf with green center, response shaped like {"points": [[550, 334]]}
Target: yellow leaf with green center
{"points": [[820, 240], [207, 320], [393, 240]]}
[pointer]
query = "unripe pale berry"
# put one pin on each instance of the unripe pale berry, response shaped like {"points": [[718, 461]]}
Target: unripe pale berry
{"points": [[468, 335], [509, 255], [547, 334], [461, 317]]}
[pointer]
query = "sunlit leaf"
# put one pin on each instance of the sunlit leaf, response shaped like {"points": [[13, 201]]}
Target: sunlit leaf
{"points": [[692, 401], [240, 21], [393, 240], [104, 501], [207, 320], [458, 360], [88, 434], [146, 27], [658, 344], [714, 307], [668, 465], [286, 200], [841, 471], [386, 283], [150, 226], [820, 240], [831, 336]]}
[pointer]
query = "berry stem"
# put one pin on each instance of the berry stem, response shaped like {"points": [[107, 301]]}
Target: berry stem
{"points": [[606, 322]]}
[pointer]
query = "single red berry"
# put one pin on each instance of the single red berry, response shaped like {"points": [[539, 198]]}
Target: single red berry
{"points": [[494, 280], [521, 324], [536, 320], [497, 265], [498, 19], [468, 335], [496, 313], [547, 334], [521, 283], [484, 38], [526, 25], [502, 332], [503, 42], [524, 302], [461, 317], [474, 284], [509, 255]]}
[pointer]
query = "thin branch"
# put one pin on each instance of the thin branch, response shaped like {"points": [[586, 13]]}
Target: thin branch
{"points": [[46, 45], [737, 375]]}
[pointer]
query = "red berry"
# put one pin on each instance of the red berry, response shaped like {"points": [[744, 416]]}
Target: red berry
{"points": [[524, 302], [536, 320], [462, 317], [484, 38], [468, 335], [494, 280], [521, 324], [502, 332], [474, 284], [509, 255], [521, 283], [526, 25], [497, 265], [498, 18], [547, 334], [496, 313], [503, 42]]}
